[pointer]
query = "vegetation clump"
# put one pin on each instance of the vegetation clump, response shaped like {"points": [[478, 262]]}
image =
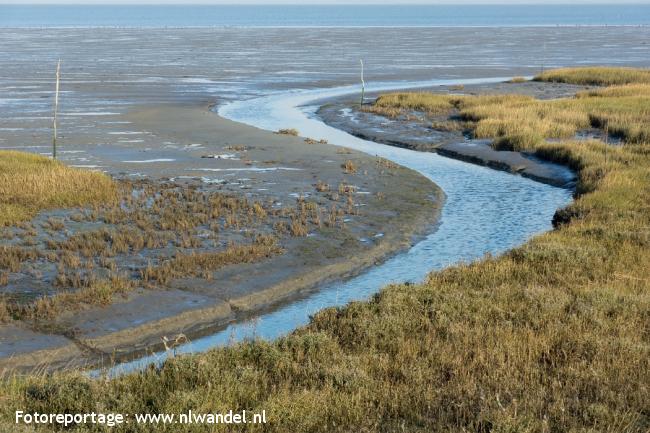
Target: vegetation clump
{"points": [[517, 80], [386, 163], [203, 263], [596, 76], [31, 183], [288, 131], [349, 167], [322, 186], [313, 141]]}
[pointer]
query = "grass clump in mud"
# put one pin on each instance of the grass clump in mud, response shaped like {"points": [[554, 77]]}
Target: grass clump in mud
{"points": [[31, 183], [517, 80], [288, 131], [313, 141], [349, 167], [204, 263], [552, 336], [94, 293]]}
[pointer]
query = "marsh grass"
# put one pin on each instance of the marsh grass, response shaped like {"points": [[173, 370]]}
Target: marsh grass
{"points": [[450, 125], [154, 233], [197, 264], [596, 76], [553, 336], [31, 183], [518, 122], [94, 293], [394, 105]]}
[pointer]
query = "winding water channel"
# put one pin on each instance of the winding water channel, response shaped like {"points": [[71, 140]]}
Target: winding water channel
{"points": [[486, 211]]}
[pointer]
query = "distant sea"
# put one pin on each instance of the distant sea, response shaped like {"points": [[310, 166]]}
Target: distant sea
{"points": [[323, 16]]}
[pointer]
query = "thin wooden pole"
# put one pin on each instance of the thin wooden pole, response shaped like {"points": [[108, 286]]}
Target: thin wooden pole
{"points": [[363, 84], [56, 107]]}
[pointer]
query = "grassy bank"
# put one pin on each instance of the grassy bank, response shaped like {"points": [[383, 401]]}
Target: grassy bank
{"points": [[31, 183], [553, 336]]}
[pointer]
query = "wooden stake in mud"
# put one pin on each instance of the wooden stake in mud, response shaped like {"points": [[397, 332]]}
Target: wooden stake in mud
{"points": [[56, 107], [363, 83]]}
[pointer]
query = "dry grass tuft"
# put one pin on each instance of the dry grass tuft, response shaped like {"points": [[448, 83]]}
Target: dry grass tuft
{"points": [[386, 163], [312, 141], [517, 80], [288, 131], [349, 167], [31, 183], [322, 186], [346, 189]]}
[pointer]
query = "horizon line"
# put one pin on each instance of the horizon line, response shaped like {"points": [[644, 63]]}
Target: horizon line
{"points": [[329, 3]]}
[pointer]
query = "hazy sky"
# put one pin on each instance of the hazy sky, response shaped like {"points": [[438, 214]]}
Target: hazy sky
{"points": [[325, 1]]}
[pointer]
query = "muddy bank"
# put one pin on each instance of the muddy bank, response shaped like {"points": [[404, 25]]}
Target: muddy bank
{"points": [[418, 132], [381, 209]]}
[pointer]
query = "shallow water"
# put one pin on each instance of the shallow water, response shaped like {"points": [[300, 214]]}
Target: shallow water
{"points": [[486, 211]]}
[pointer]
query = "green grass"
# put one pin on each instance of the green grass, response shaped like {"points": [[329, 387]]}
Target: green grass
{"points": [[31, 183], [553, 336]]}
